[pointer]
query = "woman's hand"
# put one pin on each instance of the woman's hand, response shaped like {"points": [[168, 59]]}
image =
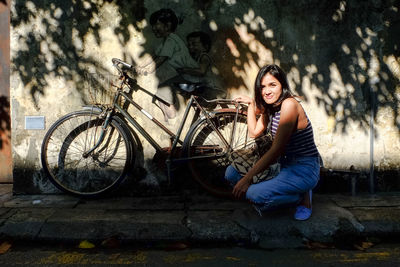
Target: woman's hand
{"points": [[248, 100], [240, 189], [244, 99]]}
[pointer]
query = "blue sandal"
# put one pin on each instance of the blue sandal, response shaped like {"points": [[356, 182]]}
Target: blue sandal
{"points": [[302, 213]]}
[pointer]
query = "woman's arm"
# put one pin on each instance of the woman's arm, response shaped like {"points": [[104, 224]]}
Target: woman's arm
{"points": [[287, 125], [255, 126]]}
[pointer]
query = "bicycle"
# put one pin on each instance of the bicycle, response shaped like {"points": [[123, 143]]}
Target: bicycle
{"points": [[88, 153]]}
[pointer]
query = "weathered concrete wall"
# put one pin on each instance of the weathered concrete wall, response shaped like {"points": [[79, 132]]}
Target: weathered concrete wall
{"points": [[5, 124], [342, 57]]}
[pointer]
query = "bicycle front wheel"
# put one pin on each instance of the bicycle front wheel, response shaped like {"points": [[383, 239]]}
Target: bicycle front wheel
{"points": [[207, 151], [71, 163]]}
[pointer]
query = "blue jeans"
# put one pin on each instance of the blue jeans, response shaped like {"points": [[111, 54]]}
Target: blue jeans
{"points": [[297, 176]]}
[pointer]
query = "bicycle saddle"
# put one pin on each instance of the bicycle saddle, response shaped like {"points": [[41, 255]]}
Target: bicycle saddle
{"points": [[193, 88]]}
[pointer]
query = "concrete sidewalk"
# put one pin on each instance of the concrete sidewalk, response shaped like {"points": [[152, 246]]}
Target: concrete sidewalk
{"points": [[195, 219]]}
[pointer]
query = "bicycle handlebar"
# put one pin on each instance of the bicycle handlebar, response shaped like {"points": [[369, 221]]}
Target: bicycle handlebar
{"points": [[117, 61]]}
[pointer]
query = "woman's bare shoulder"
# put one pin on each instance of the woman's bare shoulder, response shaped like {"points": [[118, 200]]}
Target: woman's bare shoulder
{"points": [[289, 103]]}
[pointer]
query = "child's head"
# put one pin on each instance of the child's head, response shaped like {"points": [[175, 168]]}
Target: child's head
{"points": [[198, 42], [163, 22]]}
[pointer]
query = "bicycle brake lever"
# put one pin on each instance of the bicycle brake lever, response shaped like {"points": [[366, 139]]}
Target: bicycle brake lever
{"points": [[131, 82]]}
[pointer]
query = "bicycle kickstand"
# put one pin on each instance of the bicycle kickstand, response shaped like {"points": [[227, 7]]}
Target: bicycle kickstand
{"points": [[169, 174]]}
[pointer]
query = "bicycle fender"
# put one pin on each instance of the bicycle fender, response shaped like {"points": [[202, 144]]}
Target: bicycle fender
{"points": [[94, 108]]}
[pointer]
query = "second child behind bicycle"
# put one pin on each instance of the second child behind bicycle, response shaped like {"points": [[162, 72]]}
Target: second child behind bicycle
{"points": [[199, 45], [174, 52]]}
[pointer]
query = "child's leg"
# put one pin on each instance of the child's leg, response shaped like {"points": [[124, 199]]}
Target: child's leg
{"points": [[168, 111], [167, 91], [164, 91]]}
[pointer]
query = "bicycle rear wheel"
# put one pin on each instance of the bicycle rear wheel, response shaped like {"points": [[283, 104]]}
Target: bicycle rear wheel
{"points": [[208, 153], [70, 169]]}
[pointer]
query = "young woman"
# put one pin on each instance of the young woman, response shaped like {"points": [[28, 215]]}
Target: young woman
{"points": [[293, 146]]}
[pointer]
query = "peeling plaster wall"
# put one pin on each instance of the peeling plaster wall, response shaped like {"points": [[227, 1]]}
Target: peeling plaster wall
{"points": [[333, 51], [5, 124]]}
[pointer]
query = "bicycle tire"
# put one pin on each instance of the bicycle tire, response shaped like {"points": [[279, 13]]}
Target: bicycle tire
{"points": [[203, 140], [86, 176]]}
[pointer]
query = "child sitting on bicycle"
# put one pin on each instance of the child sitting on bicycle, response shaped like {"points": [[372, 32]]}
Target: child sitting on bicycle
{"points": [[199, 44], [174, 52]]}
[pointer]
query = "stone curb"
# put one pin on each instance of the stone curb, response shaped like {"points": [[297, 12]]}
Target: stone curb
{"points": [[199, 220]]}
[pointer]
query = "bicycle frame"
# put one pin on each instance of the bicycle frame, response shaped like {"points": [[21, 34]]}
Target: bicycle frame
{"points": [[193, 102], [175, 138], [89, 152]]}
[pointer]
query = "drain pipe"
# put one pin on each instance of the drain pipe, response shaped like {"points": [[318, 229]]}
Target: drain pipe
{"points": [[373, 81], [371, 145]]}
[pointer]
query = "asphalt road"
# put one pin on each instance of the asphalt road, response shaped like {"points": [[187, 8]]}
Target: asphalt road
{"points": [[182, 255]]}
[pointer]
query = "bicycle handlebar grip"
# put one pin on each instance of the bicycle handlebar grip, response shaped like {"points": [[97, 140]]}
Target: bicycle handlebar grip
{"points": [[119, 61]]}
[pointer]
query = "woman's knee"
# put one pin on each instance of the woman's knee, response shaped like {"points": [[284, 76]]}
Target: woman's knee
{"points": [[232, 175], [256, 194]]}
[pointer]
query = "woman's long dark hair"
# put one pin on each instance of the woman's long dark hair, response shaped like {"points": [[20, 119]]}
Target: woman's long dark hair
{"points": [[280, 75]]}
